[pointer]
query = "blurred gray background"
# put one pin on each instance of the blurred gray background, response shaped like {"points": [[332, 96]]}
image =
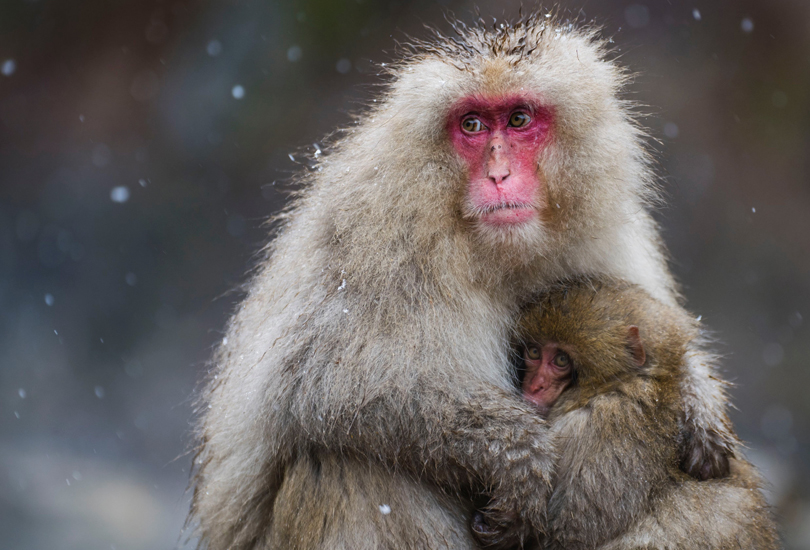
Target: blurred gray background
{"points": [[144, 142]]}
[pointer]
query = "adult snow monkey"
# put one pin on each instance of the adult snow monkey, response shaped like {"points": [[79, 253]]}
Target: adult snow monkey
{"points": [[363, 397]]}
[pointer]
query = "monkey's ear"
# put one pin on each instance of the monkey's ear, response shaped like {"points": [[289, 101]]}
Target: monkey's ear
{"points": [[635, 346]]}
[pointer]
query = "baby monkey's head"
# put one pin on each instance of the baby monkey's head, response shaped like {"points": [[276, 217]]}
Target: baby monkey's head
{"points": [[590, 335]]}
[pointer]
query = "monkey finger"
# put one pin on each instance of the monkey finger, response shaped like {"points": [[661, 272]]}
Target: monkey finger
{"points": [[480, 526]]}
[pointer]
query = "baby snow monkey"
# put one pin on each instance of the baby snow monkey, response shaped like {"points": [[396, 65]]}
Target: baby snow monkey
{"points": [[603, 361]]}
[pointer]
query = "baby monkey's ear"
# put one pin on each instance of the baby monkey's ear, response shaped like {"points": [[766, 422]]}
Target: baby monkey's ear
{"points": [[635, 346]]}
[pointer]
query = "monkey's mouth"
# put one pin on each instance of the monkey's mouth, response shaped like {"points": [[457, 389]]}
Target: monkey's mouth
{"points": [[506, 213]]}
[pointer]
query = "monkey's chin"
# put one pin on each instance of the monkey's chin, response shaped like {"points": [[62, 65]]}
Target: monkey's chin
{"points": [[511, 245]]}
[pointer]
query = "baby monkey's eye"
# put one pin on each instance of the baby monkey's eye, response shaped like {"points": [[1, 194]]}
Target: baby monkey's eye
{"points": [[562, 360], [472, 124], [519, 119], [533, 352]]}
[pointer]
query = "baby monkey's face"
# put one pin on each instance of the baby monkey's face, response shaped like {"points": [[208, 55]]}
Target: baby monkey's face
{"points": [[549, 370]]}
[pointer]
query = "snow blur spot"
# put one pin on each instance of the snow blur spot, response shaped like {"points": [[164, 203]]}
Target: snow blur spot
{"points": [[21, 393], [81, 118], [747, 25], [385, 509], [343, 66], [225, 341], [142, 182], [16, 414], [671, 130], [119, 194], [76, 475], [699, 317], [696, 14], [238, 91], [131, 279], [637, 16], [214, 48], [754, 210], [99, 391], [294, 54], [49, 299], [345, 311], [8, 67], [772, 354], [235, 225]]}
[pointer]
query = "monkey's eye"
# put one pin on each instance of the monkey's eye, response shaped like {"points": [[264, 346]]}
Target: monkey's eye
{"points": [[519, 119], [472, 124], [561, 360], [533, 352]]}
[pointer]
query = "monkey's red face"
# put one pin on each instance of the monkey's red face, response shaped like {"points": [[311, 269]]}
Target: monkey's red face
{"points": [[499, 140], [549, 370]]}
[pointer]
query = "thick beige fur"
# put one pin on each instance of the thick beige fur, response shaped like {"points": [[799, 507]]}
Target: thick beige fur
{"points": [[372, 347]]}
